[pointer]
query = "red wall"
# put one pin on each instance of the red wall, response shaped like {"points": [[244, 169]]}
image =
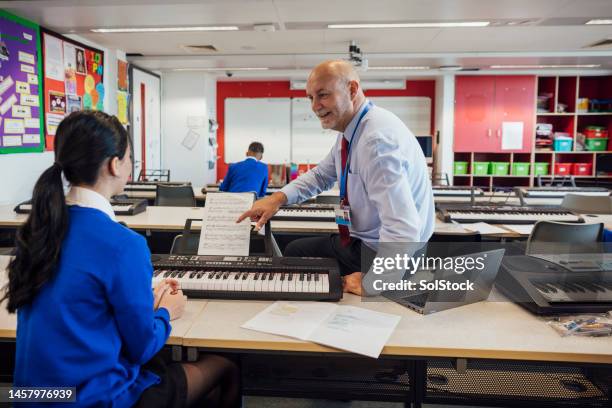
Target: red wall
{"points": [[280, 89]]}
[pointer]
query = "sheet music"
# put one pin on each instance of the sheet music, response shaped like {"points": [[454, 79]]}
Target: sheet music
{"points": [[349, 328], [220, 234]]}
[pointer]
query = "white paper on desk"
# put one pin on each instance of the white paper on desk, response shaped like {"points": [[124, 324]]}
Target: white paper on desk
{"points": [[293, 319], [220, 234], [512, 135], [484, 228], [349, 328], [520, 228]]}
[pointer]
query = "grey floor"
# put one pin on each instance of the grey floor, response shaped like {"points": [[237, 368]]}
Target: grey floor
{"points": [[270, 402]]}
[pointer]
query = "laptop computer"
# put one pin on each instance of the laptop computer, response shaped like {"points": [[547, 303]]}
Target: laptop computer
{"points": [[432, 301]]}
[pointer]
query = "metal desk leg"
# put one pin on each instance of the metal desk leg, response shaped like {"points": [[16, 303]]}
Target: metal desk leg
{"points": [[177, 353], [419, 381], [192, 354]]}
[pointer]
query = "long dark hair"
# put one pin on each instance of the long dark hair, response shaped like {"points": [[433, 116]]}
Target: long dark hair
{"points": [[83, 142]]}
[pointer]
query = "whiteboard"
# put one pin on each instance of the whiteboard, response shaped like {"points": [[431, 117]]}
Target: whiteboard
{"points": [[264, 120], [310, 142], [414, 111]]}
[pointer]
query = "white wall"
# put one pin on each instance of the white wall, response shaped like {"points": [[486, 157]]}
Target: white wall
{"points": [[184, 95], [445, 114], [19, 172]]}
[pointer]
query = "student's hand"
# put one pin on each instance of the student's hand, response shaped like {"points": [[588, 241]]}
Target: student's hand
{"points": [[174, 303], [352, 283], [167, 284], [264, 209]]}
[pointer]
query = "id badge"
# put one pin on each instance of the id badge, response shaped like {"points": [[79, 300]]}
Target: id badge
{"points": [[343, 215]]}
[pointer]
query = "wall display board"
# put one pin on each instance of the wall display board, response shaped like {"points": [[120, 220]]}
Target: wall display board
{"points": [[73, 80], [20, 84], [264, 120]]}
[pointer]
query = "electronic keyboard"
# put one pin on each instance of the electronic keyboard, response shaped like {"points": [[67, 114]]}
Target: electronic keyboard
{"points": [[560, 192], [152, 185], [251, 277], [121, 206], [504, 214], [305, 212], [211, 188], [456, 191], [555, 284]]}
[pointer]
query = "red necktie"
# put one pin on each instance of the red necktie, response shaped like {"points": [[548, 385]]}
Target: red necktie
{"points": [[345, 236]]}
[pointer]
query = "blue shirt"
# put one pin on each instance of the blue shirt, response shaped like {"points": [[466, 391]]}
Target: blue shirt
{"points": [[93, 325], [247, 175], [388, 184]]}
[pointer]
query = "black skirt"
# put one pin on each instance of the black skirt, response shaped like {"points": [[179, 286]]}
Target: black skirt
{"points": [[171, 391]]}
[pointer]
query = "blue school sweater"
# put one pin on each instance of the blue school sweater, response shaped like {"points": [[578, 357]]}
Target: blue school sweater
{"points": [[93, 325], [247, 175]]}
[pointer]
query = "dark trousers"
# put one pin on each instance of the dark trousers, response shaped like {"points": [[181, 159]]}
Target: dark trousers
{"points": [[329, 246]]}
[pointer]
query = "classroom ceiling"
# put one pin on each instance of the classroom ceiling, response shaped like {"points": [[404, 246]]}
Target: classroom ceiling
{"points": [[520, 32]]}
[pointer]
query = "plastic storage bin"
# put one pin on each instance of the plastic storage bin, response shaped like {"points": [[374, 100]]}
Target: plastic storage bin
{"points": [[596, 145], [595, 132], [582, 169], [563, 169], [480, 168], [499, 168], [461, 167], [540, 169], [562, 144], [520, 169]]}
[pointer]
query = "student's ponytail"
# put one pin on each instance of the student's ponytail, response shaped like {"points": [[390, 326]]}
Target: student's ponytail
{"points": [[84, 142], [39, 240]]}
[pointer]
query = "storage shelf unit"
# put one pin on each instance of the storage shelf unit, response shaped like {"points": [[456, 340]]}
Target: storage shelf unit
{"points": [[565, 90]]}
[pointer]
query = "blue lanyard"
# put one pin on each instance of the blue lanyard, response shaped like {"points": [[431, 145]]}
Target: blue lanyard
{"points": [[343, 178]]}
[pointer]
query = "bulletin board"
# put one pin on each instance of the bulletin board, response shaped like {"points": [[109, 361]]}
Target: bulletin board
{"points": [[20, 79], [73, 80]]}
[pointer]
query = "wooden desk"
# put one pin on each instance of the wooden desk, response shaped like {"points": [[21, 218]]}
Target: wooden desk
{"points": [[180, 327], [491, 330], [173, 219]]}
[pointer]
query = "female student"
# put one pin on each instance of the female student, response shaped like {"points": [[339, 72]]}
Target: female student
{"points": [[81, 284]]}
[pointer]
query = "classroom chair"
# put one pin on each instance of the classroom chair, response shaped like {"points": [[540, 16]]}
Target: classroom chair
{"points": [[547, 234], [175, 196]]}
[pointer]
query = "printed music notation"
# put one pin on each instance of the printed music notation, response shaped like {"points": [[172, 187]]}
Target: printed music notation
{"points": [[220, 234]]}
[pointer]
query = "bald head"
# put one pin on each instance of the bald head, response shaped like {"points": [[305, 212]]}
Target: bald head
{"points": [[339, 69], [335, 92]]}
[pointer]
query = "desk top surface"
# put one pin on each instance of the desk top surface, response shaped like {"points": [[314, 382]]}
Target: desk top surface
{"points": [[492, 329], [173, 219]]}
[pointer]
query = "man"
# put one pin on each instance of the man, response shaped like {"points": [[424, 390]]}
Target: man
{"points": [[383, 177], [248, 175]]}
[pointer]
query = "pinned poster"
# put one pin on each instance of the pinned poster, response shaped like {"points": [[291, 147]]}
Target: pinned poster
{"points": [[512, 135], [13, 126], [6, 105], [122, 75], [73, 103], [54, 62], [13, 141], [57, 102], [29, 100], [27, 68], [53, 121], [26, 57], [32, 79], [22, 87], [122, 107], [6, 84], [19, 111], [80, 61], [31, 123]]}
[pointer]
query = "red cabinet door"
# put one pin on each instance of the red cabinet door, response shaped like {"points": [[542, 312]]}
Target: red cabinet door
{"points": [[514, 102], [474, 114]]}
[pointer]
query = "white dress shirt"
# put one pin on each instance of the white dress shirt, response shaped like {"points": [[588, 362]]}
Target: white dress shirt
{"points": [[388, 184], [84, 197]]}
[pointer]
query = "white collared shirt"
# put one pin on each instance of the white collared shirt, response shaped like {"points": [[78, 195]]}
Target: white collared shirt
{"points": [[85, 197], [388, 188]]}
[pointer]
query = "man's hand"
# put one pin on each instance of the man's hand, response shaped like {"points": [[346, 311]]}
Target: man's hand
{"points": [[352, 283], [264, 209]]}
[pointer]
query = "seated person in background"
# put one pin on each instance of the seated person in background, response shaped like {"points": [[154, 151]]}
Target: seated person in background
{"points": [[81, 285], [248, 175]]}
